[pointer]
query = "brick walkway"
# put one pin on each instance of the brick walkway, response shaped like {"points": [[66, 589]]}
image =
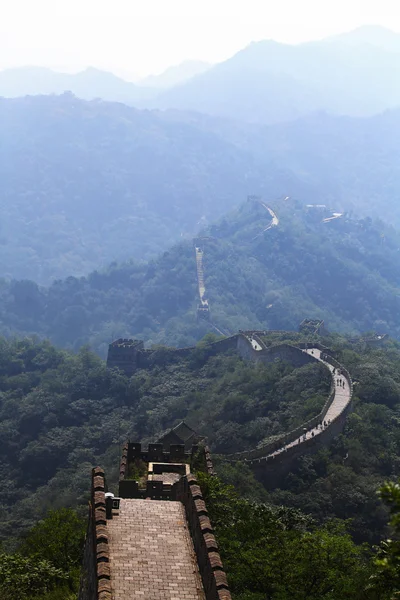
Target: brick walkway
{"points": [[151, 553], [341, 399]]}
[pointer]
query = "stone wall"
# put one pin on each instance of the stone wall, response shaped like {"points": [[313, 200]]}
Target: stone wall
{"points": [[95, 581], [258, 457], [88, 582], [270, 470], [205, 545], [155, 453], [123, 354], [208, 461], [285, 352]]}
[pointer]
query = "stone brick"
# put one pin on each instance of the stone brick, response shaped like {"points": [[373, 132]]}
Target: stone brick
{"points": [[98, 471], [102, 557], [100, 515], [196, 491], [220, 579], [210, 541], [103, 570], [98, 483], [101, 533], [151, 553], [205, 523], [99, 499], [223, 594], [200, 506], [104, 585], [215, 560], [102, 547]]}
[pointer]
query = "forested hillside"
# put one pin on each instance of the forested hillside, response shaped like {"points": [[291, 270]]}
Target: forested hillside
{"points": [[62, 413], [88, 183], [85, 183], [345, 271]]}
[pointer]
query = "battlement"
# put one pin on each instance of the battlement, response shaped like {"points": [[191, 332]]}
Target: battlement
{"points": [[139, 546], [312, 326], [124, 354], [151, 473]]}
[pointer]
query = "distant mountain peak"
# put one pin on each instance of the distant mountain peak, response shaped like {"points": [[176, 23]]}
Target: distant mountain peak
{"points": [[176, 74], [375, 35]]}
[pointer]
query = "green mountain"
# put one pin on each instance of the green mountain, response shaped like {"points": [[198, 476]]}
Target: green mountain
{"points": [[85, 183], [61, 413], [343, 270], [88, 183]]}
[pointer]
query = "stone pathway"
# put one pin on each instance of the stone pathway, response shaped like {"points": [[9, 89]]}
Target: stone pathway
{"points": [[200, 276], [339, 402], [151, 553]]}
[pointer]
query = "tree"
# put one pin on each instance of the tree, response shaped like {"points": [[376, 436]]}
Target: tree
{"points": [[23, 578], [58, 539], [387, 561]]}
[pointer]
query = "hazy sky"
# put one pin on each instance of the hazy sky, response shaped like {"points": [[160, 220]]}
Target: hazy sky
{"points": [[145, 37]]}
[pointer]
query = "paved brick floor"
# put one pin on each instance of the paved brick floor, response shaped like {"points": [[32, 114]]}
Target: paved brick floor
{"points": [[151, 553]]}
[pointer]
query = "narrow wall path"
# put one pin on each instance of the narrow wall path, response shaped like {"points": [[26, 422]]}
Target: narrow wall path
{"points": [[318, 428], [273, 223], [339, 402], [151, 553]]}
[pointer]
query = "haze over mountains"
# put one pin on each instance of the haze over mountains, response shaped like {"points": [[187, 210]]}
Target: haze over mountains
{"points": [[270, 82], [86, 183], [94, 83], [282, 165], [346, 271], [354, 74]]}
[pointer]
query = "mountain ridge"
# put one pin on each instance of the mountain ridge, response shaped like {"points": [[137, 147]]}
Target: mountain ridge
{"points": [[343, 270]]}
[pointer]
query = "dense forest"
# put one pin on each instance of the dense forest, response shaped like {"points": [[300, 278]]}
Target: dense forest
{"points": [[88, 183], [345, 271], [61, 413]]}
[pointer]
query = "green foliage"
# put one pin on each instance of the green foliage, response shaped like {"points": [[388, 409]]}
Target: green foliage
{"points": [[47, 564], [104, 182], [28, 578], [267, 281], [59, 538], [387, 561], [278, 553], [62, 413], [137, 471]]}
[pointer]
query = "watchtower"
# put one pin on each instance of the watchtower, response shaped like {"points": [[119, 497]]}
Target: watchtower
{"points": [[312, 327], [124, 354]]}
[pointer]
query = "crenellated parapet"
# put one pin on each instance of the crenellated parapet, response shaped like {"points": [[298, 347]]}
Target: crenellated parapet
{"points": [[95, 581], [250, 346], [159, 544], [319, 430], [212, 573]]}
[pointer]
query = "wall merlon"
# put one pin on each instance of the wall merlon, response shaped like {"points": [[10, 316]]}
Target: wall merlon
{"points": [[211, 542]]}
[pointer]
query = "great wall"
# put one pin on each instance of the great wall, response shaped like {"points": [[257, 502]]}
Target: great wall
{"points": [[155, 540]]}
